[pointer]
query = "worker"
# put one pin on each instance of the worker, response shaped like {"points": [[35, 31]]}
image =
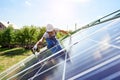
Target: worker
{"points": [[50, 36]]}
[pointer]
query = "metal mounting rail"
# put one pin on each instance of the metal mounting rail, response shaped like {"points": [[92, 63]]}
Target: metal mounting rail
{"points": [[106, 18], [111, 16]]}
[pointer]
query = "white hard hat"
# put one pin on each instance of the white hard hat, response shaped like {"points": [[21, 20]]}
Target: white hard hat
{"points": [[49, 28]]}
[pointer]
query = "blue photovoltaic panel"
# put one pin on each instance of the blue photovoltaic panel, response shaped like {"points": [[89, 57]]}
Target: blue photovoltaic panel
{"points": [[92, 54], [96, 56]]}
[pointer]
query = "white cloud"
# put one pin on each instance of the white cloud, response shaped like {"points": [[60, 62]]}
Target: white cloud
{"points": [[27, 3], [79, 1]]}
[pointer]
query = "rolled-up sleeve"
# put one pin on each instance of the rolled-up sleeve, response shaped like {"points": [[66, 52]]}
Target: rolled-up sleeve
{"points": [[57, 30]]}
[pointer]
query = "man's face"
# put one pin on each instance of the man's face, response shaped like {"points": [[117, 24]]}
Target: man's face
{"points": [[51, 32]]}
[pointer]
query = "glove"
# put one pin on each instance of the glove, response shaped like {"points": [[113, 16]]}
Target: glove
{"points": [[34, 48]]}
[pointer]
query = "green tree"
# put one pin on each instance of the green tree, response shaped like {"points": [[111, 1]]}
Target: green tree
{"points": [[18, 37], [27, 36], [8, 37], [24, 37], [41, 31], [1, 33], [32, 36]]}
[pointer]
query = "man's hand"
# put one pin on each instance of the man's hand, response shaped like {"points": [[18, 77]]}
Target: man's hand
{"points": [[34, 49]]}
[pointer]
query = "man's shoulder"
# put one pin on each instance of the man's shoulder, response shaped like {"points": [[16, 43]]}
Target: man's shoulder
{"points": [[45, 35], [57, 29]]}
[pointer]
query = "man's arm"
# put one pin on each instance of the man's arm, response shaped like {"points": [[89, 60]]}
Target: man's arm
{"points": [[65, 32], [38, 43]]}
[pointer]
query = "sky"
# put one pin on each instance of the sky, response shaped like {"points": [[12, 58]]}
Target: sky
{"points": [[63, 14]]}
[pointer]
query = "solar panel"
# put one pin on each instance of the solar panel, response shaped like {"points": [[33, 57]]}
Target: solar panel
{"points": [[90, 54]]}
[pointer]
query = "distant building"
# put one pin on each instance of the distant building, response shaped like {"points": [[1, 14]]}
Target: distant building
{"points": [[4, 25]]}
